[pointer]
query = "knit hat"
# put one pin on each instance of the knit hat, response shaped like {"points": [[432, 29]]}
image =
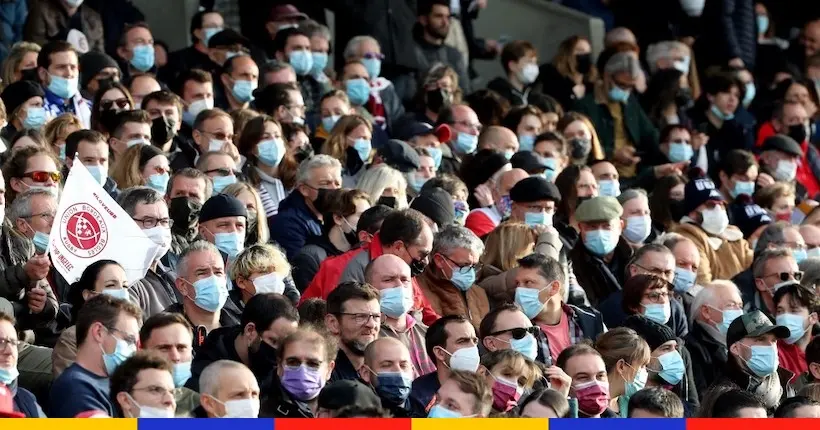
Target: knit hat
{"points": [[437, 205], [339, 394], [533, 189], [653, 333], [747, 216], [399, 155], [91, 63], [221, 206], [699, 190], [18, 93]]}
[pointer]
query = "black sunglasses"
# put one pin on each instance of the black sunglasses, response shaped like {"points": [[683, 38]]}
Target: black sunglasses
{"points": [[518, 332]]}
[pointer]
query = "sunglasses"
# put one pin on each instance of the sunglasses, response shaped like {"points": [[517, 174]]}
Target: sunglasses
{"points": [[787, 276], [518, 332], [108, 104], [43, 176]]}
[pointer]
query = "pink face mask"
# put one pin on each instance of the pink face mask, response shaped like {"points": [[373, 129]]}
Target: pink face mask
{"points": [[505, 394], [593, 397]]}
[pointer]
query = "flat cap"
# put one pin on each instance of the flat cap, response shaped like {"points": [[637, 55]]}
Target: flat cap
{"points": [[599, 208], [534, 189], [782, 143]]}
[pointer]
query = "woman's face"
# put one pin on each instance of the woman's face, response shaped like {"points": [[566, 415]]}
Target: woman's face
{"points": [[111, 277], [334, 106], [427, 167], [446, 83], [156, 165], [271, 131], [582, 47], [30, 103], [586, 186], [577, 130], [353, 219], [247, 200], [800, 94], [24, 142], [783, 207], [550, 121], [60, 141], [360, 132], [28, 62], [654, 296], [298, 140], [676, 192], [529, 125], [114, 99]]}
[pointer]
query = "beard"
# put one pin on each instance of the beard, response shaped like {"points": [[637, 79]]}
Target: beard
{"points": [[438, 32], [356, 346]]}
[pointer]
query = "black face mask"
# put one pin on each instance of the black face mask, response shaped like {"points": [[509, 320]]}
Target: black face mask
{"points": [[676, 209], [417, 267], [683, 99], [583, 63], [303, 153], [162, 130], [797, 132], [353, 163], [184, 212], [437, 99], [321, 194], [263, 359], [30, 75], [580, 148], [390, 202], [579, 200], [352, 238], [108, 119]]}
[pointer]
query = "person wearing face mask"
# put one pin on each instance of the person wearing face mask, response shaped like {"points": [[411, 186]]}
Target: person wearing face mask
{"points": [[465, 128], [228, 389], [626, 355], [463, 395], [797, 309], [58, 68], [222, 222], [778, 200], [790, 119], [133, 387], [601, 249], [429, 33], [239, 80], [21, 403], [136, 50], [638, 223], [706, 223], [204, 25], [687, 260], [510, 375], [589, 380], [670, 365], [753, 359], [520, 61], [807, 380], [99, 70], [449, 283], [165, 110], [24, 107], [293, 46], [260, 268], [107, 334], [306, 360], [389, 370], [495, 193], [267, 319]]}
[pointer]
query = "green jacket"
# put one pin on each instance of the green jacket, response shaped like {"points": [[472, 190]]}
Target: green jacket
{"points": [[187, 400]]}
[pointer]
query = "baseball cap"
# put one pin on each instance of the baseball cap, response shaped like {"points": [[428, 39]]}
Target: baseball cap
{"points": [[753, 324], [601, 208], [228, 37], [284, 12], [415, 129], [528, 161]]}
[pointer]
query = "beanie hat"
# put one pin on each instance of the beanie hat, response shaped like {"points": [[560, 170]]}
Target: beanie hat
{"points": [[653, 333], [92, 63], [437, 205], [698, 191], [221, 206], [747, 216], [18, 93]]}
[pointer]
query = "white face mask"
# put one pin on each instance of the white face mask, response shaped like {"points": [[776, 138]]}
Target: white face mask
{"points": [[150, 411], [270, 283], [215, 145], [465, 359], [162, 237], [715, 220], [786, 170], [243, 408]]}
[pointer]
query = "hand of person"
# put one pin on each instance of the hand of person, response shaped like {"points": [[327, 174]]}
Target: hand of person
{"points": [[764, 180], [492, 46], [626, 156], [558, 379], [579, 90], [737, 62], [37, 300], [231, 149], [543, 228], [671, 169], [483, 195], [699, 139], [37, 267]]}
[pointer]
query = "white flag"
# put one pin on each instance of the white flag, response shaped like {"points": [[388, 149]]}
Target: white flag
{"points": [[90, 226]]}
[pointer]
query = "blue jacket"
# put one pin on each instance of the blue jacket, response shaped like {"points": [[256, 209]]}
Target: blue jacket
{"points": [[293, 224], [13, 15], [25, 402]]}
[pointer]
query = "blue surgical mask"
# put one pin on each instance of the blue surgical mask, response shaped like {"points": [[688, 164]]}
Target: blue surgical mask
{"points": [[680, 152], [243, 90], [609, 188], [99, 174], [638, 228], [121, 353], [358, 91], [64, 88], [301, 61], [436, 154], [682, 65], [729, 315], [720, 115], [552, 169], [159, 182], [618, 94], [373, 66], [319, 62], [465, 143], [750, 93], [637, 383], [208, 33], [526, 142], [762, 24], [8, 375], [220, 182], [395, 302], [363, 148], [533, 219], [508, 154], [415, 181], [230, 243], [600, 242], [181, 373], [799, 255], [672, 367], [529, 301], [62, 153], [40, 241], [763, 361], [658, 312], [463, 277], [211, 293], [393, 387], [527, 346], [329, 121], [35, 117], [795, 324], [684, 280], [143, 59], [271, 151], [119, 293], [438, 411], [743, 187]]}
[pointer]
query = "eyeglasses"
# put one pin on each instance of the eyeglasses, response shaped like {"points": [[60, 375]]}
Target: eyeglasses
{"points": [[787, 276], [518, 332], [122, 103], [220, 136], [151, 222], [666, 274], [477, 267], [127, 338], [656, 296], [8, 341], [373, 56], [41, 176], [155, 390], [297, 108], [222, 172], [362, 319], [48, 216]]}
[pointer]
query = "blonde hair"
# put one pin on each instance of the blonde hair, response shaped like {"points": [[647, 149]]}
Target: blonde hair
{"points": [[13, 60], [625, 344], [513, 362], [259, 258], [336, 144], [376, 179], [811, 391], [238, 188], [506, 244], [56, 129], [127, 172], [767, 196]]}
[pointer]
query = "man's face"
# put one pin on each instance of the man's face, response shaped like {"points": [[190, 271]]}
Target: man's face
{"points": [[437, 23], [278, 331], [743, 347], [63, 64], [297, 42], [354, 71], [173, 342], [127, 329], [228, 224], [149, 213], [790, 305], [244, 69], [507, 321], [284, 76], [387, 357], [451, 397], [128, 132], [319, 44], [136, 37], [638, 206], [725, 299], [586, 368], [310, 354], [168, 111], [655, 263], [776, 270], [93, 153], [686, 256], [614, 227], [750, 175], [194, 91], [677, 135], [455, 259], [193, 188], [209, 21], [217, 128], [326, 177], [141, 86], [43, 210], [465, 120], [419, 250], [390, 273], [8, 353], [793, 114], [586, 186], [153, 388], [234, 384], [726, 102], [810, 234], [358, 325], [605, 171], [219, 165], [772, 158], [295, 108], [811, 38], [201, 265], [37, 163], [459, 335]]}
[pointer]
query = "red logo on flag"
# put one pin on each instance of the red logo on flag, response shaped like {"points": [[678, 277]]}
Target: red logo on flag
{"points": [[83, 231]]}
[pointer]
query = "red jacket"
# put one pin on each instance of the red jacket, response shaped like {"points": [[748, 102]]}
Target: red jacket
{"points": [[331, 270], [805, 176], [791, 357]]}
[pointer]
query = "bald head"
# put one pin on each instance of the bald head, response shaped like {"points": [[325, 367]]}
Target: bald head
{"points": [[387, 271], [620, 34], [498, 138], [811, 234], [508, 179]]}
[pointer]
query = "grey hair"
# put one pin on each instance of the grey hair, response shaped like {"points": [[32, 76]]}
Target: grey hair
{"points": [[632, 193], [131, 197], [623, 62], [199, 245], [670, 239], [21, 205], [315, 162], [313, 28], [663, 49], [619, 34], [209, 379], [811, 272], [352, 49], [453, 237], [273, 66], [760, 262], [707, 296], [773, 235]]}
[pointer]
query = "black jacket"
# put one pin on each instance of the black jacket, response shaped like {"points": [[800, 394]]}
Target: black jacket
{"points": [[502, 86], [614, 315], [423, 393], [752, 301], [556, 85], [344, 369], [729, 31], [306, 262], [427, 54], [737, 133], [219, 345], [183, 60], [735, 376], [279, 404], [708, 357], [226, 320], [599, 281], [234, 307]]}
